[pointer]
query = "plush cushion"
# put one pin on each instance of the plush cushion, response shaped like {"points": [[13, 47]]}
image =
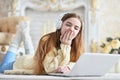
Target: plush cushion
{"points": [[5, 38], [8, 24], [8, 27]]}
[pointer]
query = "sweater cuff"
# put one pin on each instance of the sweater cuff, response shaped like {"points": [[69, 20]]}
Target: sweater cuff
{"points": [[65, 48], [71, 65]]}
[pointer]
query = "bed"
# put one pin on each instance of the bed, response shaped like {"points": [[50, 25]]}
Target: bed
{"points": [[108, 76]]}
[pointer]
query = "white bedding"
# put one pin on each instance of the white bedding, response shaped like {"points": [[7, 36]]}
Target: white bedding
{"points": [[109, 76]]}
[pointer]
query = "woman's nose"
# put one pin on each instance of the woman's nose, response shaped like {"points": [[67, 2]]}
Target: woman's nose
{"points": [[71, 28]]}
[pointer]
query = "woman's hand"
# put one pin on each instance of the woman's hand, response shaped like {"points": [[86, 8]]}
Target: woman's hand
{"points": [[67, 37], [63, 69]]}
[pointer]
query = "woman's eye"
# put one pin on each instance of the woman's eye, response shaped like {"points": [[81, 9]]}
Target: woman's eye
{"points": [[76, 28], [69, 25]]}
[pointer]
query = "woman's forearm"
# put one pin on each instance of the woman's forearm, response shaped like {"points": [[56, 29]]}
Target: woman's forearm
{"points": [[57, 58]]}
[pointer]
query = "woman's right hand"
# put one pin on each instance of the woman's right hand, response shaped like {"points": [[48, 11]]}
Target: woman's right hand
{"points": [[67, 38], [63, 69]]}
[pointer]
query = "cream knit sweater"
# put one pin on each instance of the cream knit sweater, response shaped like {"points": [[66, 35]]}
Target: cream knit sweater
{"points": [[55, 58]]}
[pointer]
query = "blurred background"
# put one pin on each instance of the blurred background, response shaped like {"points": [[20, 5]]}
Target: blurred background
{"points": [[101, 18]]}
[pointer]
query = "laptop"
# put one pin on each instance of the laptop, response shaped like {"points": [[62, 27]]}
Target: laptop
{"points": [[92, 65]]}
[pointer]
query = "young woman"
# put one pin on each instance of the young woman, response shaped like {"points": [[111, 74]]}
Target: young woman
{"points": [[57, 51]]}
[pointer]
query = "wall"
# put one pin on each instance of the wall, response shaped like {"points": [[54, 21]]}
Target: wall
{"points": [[108, 19], [44, 17], [4, 4], [45, 22]]}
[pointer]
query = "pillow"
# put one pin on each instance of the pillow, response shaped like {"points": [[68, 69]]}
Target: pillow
{"points": [[8, 24], [5, 38]]}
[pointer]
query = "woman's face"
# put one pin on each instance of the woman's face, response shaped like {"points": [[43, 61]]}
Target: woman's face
{"points": [[71, 25]]}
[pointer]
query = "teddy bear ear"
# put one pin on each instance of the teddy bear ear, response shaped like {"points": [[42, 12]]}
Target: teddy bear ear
{"points": [[109, 39]]}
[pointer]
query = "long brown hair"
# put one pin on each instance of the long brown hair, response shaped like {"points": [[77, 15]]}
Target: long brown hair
{"points": [[51, 40]]}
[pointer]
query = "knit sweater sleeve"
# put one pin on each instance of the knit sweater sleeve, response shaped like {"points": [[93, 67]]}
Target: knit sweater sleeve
{"points": [[57, 58], [71, 65]]}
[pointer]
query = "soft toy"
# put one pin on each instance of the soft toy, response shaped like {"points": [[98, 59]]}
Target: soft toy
{"points": [[8, 24]]}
